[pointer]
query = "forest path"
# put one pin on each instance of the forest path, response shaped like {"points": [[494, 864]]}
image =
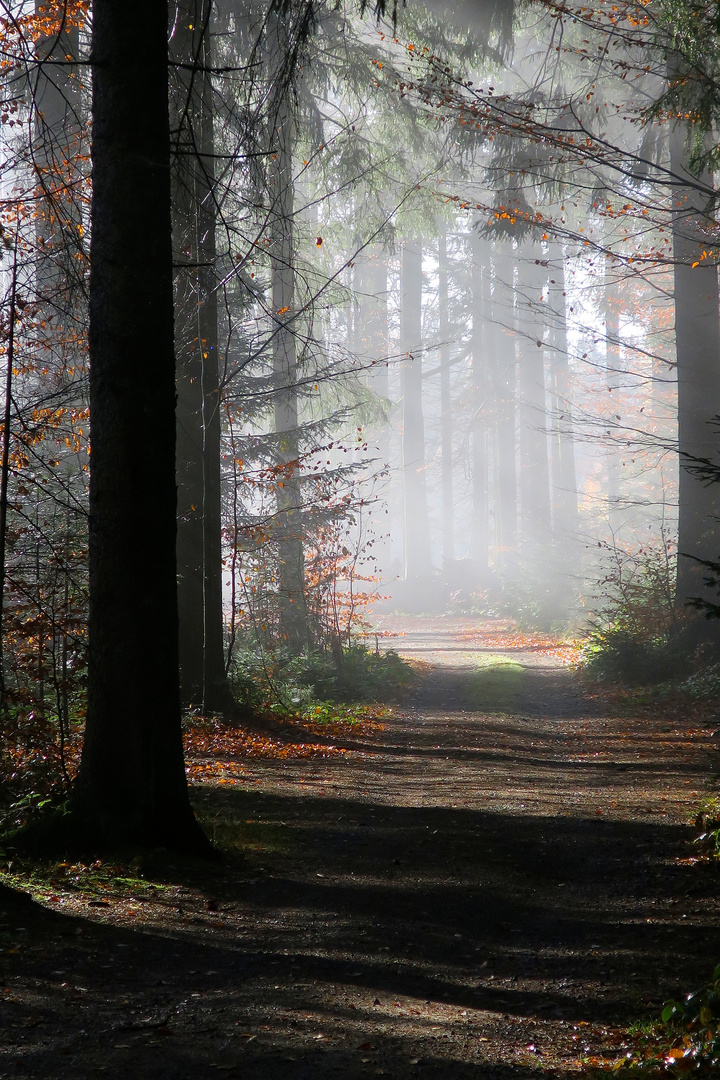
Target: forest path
{"points": [[489, 888]]}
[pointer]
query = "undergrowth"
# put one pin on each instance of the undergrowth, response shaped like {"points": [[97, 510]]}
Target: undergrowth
{"points": [[708, 822], [286, 684], [637, 637], [39, 757], [684, 1040]]}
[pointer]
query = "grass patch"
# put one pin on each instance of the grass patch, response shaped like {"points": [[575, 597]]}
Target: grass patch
{"points": [[232, 834], [496, 684]]}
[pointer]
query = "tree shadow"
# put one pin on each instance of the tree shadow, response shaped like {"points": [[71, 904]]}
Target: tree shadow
{"points": [[530, 918]]}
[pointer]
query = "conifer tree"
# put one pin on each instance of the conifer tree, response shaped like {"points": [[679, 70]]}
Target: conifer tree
{"points": [[131, 786]]}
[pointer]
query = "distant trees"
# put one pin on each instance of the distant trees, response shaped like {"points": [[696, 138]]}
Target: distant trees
{"points": [[549, 149]]}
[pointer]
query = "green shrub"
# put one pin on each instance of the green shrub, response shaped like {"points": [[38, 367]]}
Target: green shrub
{"points": [[684, 1041], [616, 652], [703, 685], [637, 637], [362, 675], [285, 683]]}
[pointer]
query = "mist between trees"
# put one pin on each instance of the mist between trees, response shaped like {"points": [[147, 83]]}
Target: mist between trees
{"points": [[446, 336]]}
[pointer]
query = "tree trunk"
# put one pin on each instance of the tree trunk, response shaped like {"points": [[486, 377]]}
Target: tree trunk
{"points": [[506, 406], [371, 344], [612, 384], [564, 480], [534, 471], [377, 333], [199, 540], [446, 415], [479, 535], [131, 787], [697, 342], [293, 622], [418, 563], [57, 130]]}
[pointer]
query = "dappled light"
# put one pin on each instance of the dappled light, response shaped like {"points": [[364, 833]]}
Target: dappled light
{"points": [[359, 539], [480, 885]]}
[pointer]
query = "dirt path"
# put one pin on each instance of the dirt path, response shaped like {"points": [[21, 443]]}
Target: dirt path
{"points": [[489, 888]]}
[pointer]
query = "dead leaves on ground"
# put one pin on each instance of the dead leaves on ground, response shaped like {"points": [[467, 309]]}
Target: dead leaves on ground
{"points": [[214, 752], [565, 652]]}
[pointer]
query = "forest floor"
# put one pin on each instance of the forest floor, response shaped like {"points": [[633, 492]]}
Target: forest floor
{"points": [[493, 884]]}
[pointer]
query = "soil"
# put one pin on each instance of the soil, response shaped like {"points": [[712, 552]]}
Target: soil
{"points": [[494, 886]]}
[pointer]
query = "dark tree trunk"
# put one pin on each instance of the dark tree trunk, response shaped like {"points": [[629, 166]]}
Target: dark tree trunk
{"points": [[418, 563], [697, 340], [132, 786], [446, 415], [199, 544]]}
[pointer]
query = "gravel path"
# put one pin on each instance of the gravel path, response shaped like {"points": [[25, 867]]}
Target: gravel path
{"points": [[491, 886]]}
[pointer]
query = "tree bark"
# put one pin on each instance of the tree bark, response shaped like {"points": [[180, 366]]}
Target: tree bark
{"points": [[132, 787], [199, 540]]}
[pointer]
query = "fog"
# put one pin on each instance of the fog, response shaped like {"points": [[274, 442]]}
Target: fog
{"points": [[427, 276]]}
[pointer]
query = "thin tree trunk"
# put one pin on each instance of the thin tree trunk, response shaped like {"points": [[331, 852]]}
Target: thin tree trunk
{"points": [[199, 543], [5, 466], [56, 99], [506, 406], [60, 264], [534, 471], [377, 330], [564, 480], [371, 344], [293, 619], [446, 416], [132, 787], [479, 535], [418, 563], [381, 386], [612, 384]]}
